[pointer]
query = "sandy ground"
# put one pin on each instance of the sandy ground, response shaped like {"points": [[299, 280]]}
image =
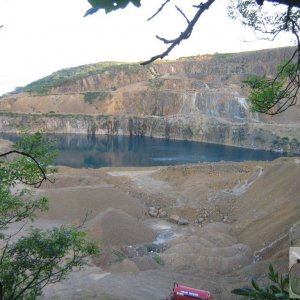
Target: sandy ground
{"points": [[238, 213], [4, 146]]}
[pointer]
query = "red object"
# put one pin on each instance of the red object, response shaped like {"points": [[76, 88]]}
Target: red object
{"points": [[181, 292]]}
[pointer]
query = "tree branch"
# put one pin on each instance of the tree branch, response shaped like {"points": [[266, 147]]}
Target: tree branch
{"points": [[183, 14], [159, 10], [184, 35], [44, 175]]}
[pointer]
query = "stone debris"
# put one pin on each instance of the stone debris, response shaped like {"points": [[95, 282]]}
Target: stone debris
{"points": [[182, 221], [157, 212], [174, 218]]}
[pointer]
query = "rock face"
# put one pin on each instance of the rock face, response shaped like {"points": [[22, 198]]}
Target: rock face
{"points": [[197, 98]]}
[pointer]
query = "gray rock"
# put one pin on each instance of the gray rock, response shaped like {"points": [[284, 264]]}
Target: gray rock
{"points": [[156, 248], [162, 214], [153, 214], [182, 221], [141, 250], [129, 251], [225, 219]]}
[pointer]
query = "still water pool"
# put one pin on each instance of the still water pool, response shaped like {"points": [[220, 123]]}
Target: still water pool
{"points": [[83, 151]]}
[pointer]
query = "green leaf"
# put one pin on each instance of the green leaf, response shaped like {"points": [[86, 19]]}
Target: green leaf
{"points": [[282, 295], [110, 5], [242, 292], [255, 285]]}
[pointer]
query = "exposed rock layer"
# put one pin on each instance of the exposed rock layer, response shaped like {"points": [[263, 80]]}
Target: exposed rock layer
{"points": [[197, 98]]}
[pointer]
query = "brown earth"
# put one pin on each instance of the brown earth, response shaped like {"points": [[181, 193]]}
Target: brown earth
{"points": [[234, 210], [4, 146]]}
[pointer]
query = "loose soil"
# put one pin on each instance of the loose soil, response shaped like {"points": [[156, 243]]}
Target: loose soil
{"points": [[239, 217]]}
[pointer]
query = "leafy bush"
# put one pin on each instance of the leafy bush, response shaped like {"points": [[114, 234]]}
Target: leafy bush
{"points": [[39, 257], [156, 83], [158, 260], [263, 93]]}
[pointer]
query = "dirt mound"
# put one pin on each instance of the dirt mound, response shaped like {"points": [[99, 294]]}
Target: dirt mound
{"points": [[112, 216], [71, 180], [267, 209], [145, 263], [212, 249], [125, 266], [117, 228], [72, 204]]}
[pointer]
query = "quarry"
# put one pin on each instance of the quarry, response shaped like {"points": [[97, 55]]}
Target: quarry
{"points": [[214, 226]]}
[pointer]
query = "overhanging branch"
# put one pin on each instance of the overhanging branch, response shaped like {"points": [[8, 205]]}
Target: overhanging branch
{"points": [[42, 171], [202, 7]]}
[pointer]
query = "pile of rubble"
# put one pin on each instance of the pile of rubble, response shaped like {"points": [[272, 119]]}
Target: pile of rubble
{"points": [[157, 212]]}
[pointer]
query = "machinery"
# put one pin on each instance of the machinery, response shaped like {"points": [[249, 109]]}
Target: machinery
{"points": [[181, 292]]}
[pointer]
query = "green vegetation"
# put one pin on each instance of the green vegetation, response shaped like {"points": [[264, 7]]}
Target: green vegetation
{"points": [[109, 6], [264, 93], [158, 260], [278, 289], [259, 139], [71, 75], [285, 141], [40, 257], [156, 83], [91, 97], [120, 256]]}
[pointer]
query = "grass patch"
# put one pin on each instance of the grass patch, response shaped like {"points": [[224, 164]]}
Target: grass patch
{"points": [[91, 97], [158, 260]]}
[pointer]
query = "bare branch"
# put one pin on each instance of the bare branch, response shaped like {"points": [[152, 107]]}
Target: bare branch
{"points": [[183, 14], [159, 10], [185, 34], [9, 237], [165, 40]]}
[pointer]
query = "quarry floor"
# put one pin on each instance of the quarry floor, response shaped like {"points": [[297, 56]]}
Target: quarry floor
{"points": [[239, 217]]}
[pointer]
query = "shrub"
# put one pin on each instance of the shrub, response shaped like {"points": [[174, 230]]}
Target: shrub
{"points": [[91, 97]]}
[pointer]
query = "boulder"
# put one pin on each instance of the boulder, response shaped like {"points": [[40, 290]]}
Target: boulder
{"points": [[174, 218], [182, 221]]}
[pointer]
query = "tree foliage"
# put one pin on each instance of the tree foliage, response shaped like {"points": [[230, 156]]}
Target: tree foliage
{"points": [[32, 259], [109, 5], [277, 289], [272, 95]]}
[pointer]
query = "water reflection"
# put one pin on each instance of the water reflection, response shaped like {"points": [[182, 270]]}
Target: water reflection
{"points": [[78, 150]]}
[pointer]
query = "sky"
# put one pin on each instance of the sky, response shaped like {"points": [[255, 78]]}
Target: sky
{"points": [[42, 36]]}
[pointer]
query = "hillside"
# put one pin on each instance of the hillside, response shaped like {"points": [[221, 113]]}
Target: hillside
{"points": [[197, 98]]}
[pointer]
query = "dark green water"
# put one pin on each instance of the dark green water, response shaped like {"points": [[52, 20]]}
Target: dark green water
{"points": [[83, 151]]}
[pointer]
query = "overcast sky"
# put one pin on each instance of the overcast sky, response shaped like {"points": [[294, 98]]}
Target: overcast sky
{"points": [[43, 36]]}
